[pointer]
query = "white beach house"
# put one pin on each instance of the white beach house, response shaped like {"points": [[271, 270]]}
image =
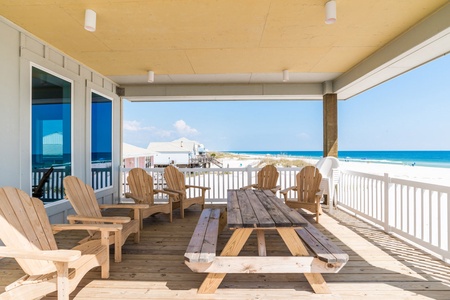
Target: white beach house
{"points": [[179, 152]]}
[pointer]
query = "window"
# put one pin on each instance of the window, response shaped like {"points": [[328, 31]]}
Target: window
{"points": [[50, 131], [101, 142]]}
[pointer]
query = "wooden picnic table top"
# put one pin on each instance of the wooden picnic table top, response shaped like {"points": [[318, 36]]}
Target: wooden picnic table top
{"points": [[260, 209]]}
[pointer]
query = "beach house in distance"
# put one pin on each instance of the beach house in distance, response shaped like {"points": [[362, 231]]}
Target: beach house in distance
{"points": [[181, 152], [137, 157]]}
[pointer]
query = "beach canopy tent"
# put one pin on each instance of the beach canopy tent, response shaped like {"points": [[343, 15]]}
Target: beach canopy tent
{"points": [[245, 50]]}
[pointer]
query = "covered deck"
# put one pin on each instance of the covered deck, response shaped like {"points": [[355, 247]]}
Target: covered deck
{"points": [[380, 266]]}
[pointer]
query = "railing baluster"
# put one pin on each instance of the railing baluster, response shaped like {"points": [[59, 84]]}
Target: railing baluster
{"points": [[416, 211]]}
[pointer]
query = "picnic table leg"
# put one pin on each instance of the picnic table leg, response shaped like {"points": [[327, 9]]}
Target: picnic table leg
{"points": [[261, 243], [232, 248], [295, 245]]}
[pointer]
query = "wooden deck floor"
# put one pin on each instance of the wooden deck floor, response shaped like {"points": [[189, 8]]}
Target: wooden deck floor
{"points": [[380, 267]]}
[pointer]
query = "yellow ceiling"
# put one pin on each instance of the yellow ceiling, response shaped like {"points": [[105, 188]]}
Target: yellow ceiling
{"points": [[218, 36]]}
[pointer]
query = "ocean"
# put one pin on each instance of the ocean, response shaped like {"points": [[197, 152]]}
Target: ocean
{"points": [[439, 159]]}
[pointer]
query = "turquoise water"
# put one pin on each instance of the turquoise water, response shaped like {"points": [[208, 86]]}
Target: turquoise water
{"points": [[418, 158]]}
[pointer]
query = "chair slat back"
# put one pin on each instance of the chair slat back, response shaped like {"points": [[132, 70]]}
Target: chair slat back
{"points": [[82, 197], [267, 177], [141, 185], [24, 225], [308, 182], [174, 179]]}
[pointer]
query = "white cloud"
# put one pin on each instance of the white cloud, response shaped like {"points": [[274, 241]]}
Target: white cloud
{"points": [[303, 136], [182, 128], [135, 126]]}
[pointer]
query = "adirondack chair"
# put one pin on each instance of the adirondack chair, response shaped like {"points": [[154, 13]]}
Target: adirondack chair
{"points": [[328, 166], [142, 191], [27, 234], [267, 179], [176, 184], [83, 200], [308, 191]]}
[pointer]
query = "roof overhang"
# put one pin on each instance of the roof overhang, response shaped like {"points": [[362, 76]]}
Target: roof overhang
{"points": [[226, 50], [422, 43]]}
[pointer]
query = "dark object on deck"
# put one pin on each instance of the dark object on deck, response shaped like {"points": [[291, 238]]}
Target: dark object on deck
{"points": [[38, 189]]}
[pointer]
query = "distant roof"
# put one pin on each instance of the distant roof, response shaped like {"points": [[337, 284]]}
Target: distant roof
{"points": [[186, 143], [167, 147], [135, 151], [179, 145]]}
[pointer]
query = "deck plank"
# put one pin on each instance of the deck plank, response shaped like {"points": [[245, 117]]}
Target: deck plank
{"points": [[380, 266]]}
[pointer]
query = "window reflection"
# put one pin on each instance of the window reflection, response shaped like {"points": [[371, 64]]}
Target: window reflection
{"points": [[101, 142], [51, 133]]}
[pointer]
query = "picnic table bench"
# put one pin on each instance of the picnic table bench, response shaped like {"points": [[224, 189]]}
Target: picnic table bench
{"points": [[312, 252]]}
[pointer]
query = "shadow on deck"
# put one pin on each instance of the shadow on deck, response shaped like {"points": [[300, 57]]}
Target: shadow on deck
{"points": [[380, 267]]}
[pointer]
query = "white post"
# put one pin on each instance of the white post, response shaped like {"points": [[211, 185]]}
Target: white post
{"points": [[387, 193], [249, 171]]}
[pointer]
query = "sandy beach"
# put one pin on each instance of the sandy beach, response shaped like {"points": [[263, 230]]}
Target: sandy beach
{"points": [[433, 175]]}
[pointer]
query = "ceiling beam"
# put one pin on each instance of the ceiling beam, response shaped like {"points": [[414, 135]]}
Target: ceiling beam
{"points": [[225, 92]]}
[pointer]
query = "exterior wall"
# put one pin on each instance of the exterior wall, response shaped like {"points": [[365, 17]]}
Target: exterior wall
{"points": [[9, 106], [166, 158], [136, 162], [19, 51]]}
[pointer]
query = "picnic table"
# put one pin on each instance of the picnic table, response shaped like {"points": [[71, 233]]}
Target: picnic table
{"points": [[250, 211]]}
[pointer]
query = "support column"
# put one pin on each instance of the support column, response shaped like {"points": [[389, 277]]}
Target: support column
{"points": [[330, 125]]}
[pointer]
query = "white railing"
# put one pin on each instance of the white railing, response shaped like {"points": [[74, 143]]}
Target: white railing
{"points": [[416, 211]]}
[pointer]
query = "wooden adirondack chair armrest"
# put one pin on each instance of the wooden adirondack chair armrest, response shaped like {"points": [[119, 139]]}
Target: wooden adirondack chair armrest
{"points": [[129, 206], [167, 192], [285, 191], [249, 186], [95, 227], [114, 220], [204, 188], [137, 199], [171, 195], [275, 189], [135, 207], [52, 255], [175, 191]]}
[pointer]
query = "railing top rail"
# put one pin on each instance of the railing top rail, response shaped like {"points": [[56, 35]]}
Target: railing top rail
{"points": [[215, 169]]}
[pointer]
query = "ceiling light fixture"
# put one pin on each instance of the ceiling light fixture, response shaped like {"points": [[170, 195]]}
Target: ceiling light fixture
{"points": [[330, 12], [151, 76], [285, 75], [90, 20]]}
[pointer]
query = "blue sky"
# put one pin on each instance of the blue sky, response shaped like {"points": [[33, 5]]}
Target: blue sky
{"points": [[410, 112]]}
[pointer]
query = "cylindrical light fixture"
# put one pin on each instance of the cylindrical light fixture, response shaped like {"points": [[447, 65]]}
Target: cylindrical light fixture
{"points": [[285, 75], [151, 76], [90, 20], [330, 12]]}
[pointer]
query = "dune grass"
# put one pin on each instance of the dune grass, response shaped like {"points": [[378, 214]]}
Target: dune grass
{"points": [[277, 161]]}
